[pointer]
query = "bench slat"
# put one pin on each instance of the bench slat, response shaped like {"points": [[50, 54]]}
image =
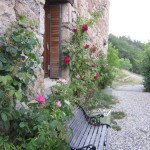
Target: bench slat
{"points": [[81, 135], [75, 117], [94, 135], [97, 138], [78, 128], [88, 139], [85, 136], [77, 133], [102, 139]]}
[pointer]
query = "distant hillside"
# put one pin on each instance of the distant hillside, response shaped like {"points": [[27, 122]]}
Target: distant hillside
{"points": [[127, 48]]}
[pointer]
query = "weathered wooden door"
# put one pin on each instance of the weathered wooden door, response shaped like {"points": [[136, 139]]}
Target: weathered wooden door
{"points": [[52, 41]]}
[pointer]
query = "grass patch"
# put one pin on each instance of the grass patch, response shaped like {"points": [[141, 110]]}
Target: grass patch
{"points": [[116, 116]]}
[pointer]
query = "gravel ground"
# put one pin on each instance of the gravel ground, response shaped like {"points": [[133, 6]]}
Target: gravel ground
{"points": [[135, 132]]}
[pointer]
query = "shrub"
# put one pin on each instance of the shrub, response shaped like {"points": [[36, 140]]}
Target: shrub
{"points": [[105, 71], [146, 68], [112, 57], [124, 63], [24, 124]]}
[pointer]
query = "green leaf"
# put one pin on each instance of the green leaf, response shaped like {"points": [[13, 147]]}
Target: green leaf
{"points": [[1, 66], [12, 50], [27, 51], [6, 146], [54, 124], [18, 95], [4, 117], [22, 125], [11, 93], [1, 94]]}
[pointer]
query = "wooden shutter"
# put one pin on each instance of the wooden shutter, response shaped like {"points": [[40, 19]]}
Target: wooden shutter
{"points": [[52, 53]]}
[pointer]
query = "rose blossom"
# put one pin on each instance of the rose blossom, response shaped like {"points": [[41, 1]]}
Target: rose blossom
{"points": [[58, 103], [63, 81], [86, 46], [66, 60], [94, 65], [40, 99], [75, 30], [78, 76], [96, 76], [84, 28]]}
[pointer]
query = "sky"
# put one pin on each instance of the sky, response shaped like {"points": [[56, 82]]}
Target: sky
{"points": [[130, 18]]}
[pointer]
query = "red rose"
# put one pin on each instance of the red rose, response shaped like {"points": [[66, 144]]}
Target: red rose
{"points": [[86, 46], [94, 65], [96, 76], [84, 27], [75, 30], [66, 60], [93, 50]]}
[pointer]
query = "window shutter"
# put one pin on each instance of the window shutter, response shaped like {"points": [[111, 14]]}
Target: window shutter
{"points": [[52, 53], [55, 41]]}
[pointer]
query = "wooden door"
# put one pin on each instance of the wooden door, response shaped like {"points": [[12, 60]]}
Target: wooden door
{"points": [[52, 41]]}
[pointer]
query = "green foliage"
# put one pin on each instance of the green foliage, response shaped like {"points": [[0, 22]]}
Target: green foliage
{"points": [[145, 66], [112, 57], [125, 63], [127, 49], [28, 125], [105, 71]]}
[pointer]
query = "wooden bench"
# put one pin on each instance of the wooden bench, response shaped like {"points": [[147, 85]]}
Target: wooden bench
{"points": [[87, 133]]}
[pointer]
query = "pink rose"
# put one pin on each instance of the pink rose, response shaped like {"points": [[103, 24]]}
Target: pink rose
{"points": [[86, 46], [94, 65], [58, 103], [66, 60], [84, 28], [78, 76], [63, 81], [96, 76], [75, 30], [40, 99]]}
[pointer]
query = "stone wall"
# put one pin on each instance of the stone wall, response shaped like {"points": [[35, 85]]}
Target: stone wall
{"points": [[99, 32], [9, 12]]}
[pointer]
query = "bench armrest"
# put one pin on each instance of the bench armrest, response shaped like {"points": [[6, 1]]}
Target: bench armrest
{"points": [[88, 147], [94, 119]]}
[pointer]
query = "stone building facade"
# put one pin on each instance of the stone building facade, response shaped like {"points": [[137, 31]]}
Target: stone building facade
{"points": [[70, 10]]}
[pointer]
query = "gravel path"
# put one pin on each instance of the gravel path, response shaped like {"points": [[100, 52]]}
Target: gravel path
{"points": [[135, 132]]}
